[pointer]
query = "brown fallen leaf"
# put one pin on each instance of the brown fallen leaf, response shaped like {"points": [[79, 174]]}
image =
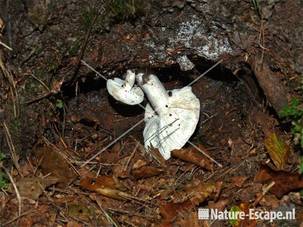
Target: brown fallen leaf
{"points": [[53, 163], [93, 183], [109, 188], [198, 191], [270, 201], [277, 149], [33, 187], [220, 205], [80, 211], [190, 220], [192, 155], [284, 182], [119, 169], [238, 181], [146, 172], [192, 195], [156, 155], [140, 169], [169, 211], [244, 207], [73, 224]]}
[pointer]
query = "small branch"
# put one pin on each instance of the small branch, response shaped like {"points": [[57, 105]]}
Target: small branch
{"points": [[11, 147], [16, 190], [6, 46]]}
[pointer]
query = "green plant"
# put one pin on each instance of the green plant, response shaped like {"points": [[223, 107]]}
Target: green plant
{"points": [[3, 181], [3, 178], [256, 7], [88, 15], [294, 113], [2, 156], [234, 221], [301, 166], [122, 10], [59, 104]]}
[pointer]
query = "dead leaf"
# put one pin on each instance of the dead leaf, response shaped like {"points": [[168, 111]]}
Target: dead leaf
{"points": [[106, 186], [81, 211], [2, 25], [192, 155], [244, 207], [119, 168], [141, 170], [33, 187], [192, 194], [270, 201], [146, 172], [220, 205], [284, 182], [169, 211], [238, 181], [277, 149], [198, 191], [190, 220], [53, 163], [73, 224], [93, 183], [156, 155]]}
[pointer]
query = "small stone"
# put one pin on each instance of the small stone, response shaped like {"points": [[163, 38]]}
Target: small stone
{"points": [[184, 63], [170, 10], [179, 4]]}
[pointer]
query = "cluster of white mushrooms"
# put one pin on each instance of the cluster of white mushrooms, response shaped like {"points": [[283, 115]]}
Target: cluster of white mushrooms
{"points": [[170, 116]]}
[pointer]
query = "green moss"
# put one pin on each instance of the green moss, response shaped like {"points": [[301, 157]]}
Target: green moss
{"points": [[126, 9], [294, 113], [74, 48], [87, 16], [3, 181], [3, 177]]}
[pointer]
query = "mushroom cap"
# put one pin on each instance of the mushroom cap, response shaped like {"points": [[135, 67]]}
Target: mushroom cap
{"points": [[125, 91], [174, 128]]}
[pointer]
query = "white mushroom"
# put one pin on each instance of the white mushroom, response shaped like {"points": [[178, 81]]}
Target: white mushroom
{"points": [[171, 118], [125, 91]]}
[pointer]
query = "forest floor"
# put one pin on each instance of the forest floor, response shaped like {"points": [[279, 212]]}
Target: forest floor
{"points": [[56, 113]]}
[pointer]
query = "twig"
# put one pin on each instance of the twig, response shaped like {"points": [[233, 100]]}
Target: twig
{"points": [[203, 74], [16, 190], [108, 217], [85, 43], [205, 154], [130, 157], [41, 82], [6, 46], [7, 74], [264, 192], [91, 68], [47, 95], [112, 143], [16, 218], [11, 147]]}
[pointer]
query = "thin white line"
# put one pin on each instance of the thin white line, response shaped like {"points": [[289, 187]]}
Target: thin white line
{"points": [[219, 164], [6, 46], [203, 74], [91, 68], [112, 143]]}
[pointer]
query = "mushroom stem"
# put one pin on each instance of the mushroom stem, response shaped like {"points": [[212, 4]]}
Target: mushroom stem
{"points": [[155, 92], [129, 79]]}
